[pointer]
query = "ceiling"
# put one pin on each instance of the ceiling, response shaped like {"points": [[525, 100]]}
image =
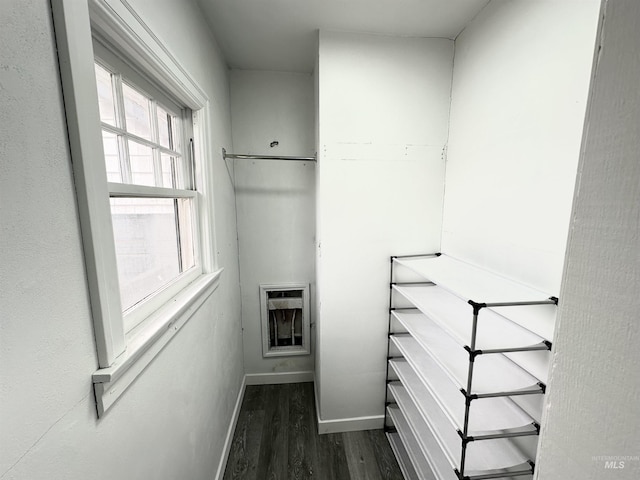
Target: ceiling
{"points": [[281, 34]]}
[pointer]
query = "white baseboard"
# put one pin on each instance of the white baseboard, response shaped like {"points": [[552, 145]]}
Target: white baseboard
{"points": [[346, 424], [278, 377], [350, 424], [230, 431]]}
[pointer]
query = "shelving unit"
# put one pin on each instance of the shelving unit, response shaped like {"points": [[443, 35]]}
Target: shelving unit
{"points": [[466, 346]]}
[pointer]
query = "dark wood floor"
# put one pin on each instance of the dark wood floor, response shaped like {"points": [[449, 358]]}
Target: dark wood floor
{"points": [[276, 438]]}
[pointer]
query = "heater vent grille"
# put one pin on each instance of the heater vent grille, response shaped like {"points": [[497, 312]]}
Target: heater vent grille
{"points": [[285, 319]]}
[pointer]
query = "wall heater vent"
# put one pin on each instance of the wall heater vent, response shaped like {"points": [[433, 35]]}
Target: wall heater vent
{"points": [[285, 319]]}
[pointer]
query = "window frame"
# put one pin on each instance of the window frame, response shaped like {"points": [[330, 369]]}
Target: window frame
{"points": [[123, 355], [126, 74]]}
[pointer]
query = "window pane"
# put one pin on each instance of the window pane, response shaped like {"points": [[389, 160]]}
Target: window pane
{"points": [[175, 173], [146, 238], [187, 247], [176, 134], [168, 170], [106, 104], [136, 110], [183, 174], [111, 158], [164, 127], [105, 96], [141, 160]]}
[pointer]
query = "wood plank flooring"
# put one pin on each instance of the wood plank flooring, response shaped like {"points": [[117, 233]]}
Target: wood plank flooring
{"points": [[276, 439]]}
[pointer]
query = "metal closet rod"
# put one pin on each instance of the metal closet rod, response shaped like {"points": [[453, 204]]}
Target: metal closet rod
{"points": [[226, 155]]}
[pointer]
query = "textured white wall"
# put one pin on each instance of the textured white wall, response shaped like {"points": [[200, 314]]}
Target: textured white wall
{"points": [[275, 199], [594, 390], [172, 421], [521, 75], [383, 114]]}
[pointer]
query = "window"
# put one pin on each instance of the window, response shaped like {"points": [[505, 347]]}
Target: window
{"points": [[151, 187], [143, 186]]}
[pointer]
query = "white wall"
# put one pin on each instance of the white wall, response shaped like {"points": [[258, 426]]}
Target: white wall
{"points": [[172, 422], [383, 113], [521, 75], [594, 388], [275, 199]]}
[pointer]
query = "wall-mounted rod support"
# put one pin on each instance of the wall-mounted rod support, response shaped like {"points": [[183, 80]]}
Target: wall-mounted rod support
{"points": [[226, 155]]}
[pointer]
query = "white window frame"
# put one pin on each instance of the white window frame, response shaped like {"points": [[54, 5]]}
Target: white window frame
{"points": [[109, 60], [123, 355]]}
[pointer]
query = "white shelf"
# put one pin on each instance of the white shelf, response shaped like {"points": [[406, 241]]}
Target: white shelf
{"points": [[455, 316], [484, 455], [469, 282], [425, 453], [455, 361], [413, 460], [433, 303], [427, 384], [402, 456]]}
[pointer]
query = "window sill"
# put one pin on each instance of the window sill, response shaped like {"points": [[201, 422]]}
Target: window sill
{"points": [[149, 338]]}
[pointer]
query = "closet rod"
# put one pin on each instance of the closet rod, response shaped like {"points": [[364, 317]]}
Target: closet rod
{"points": [[226, 155]]}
